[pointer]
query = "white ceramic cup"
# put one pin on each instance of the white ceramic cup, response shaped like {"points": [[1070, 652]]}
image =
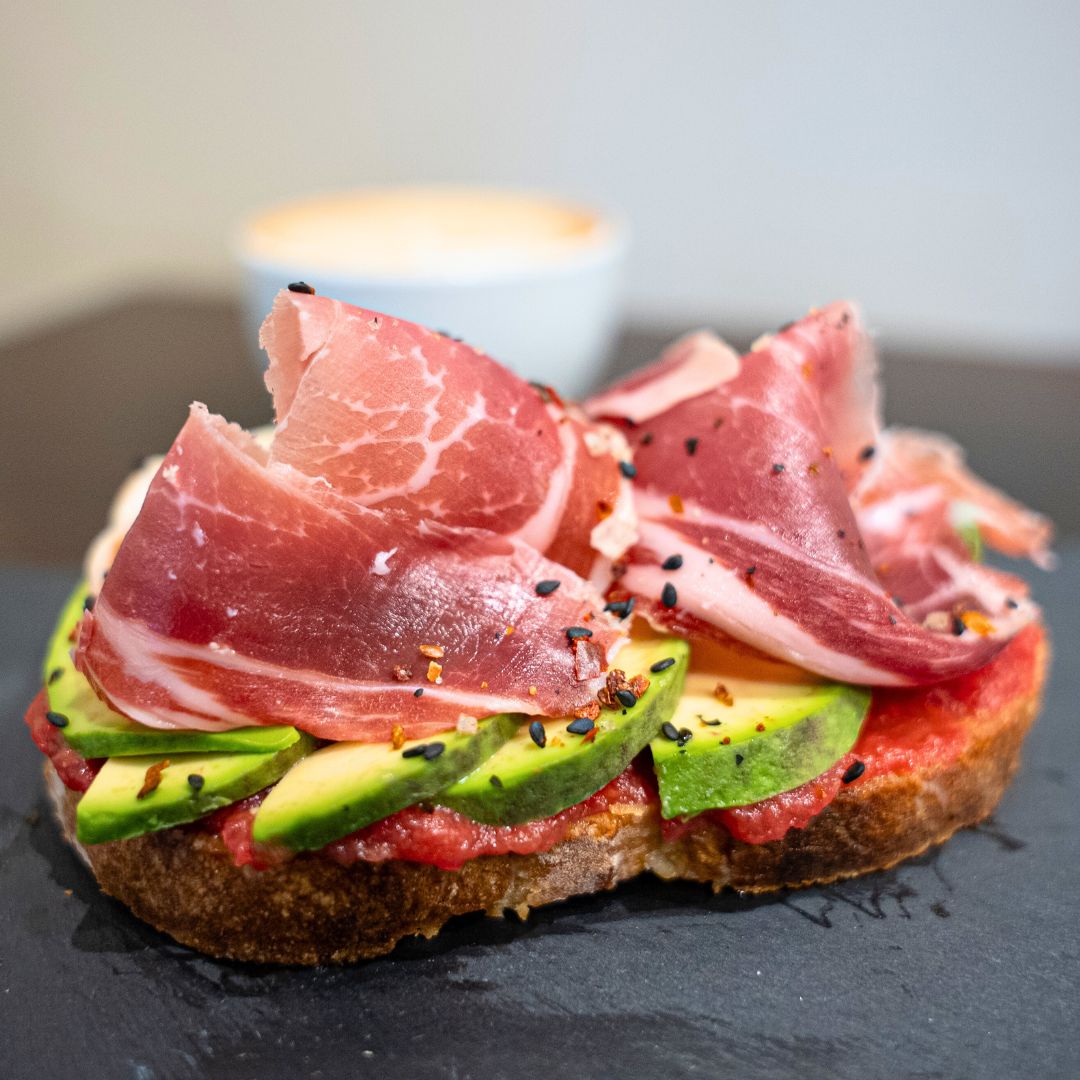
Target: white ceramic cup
{"points": [[531, 280]]}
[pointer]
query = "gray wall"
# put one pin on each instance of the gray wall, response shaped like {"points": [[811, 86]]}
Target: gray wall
{"points": [[922, 157]]}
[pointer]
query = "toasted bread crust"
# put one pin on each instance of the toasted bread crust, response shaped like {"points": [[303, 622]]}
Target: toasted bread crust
{"points": [[313, 911]]}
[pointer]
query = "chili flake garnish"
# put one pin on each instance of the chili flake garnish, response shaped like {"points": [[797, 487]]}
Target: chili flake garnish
{"points": [[533, 691], [759, 727], [749, 575], [639, 684], [152, 778], [434, 672], [604, 509], [508, 630], [397, 736], [726, 740], [589, 711], [432, 652], [402, 673], [676, 504], [813, 468], [723, 694], [977, 621], [672, 562]]}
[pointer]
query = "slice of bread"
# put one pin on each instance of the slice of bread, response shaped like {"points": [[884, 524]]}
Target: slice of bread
{"points": [[313, 911]]}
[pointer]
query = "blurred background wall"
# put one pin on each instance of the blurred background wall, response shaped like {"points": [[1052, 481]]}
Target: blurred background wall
{"points": [[922, 157]]}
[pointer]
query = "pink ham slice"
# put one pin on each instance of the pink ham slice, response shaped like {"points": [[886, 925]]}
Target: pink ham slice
{"points": [[397, 417], [749, 484], [247, 593]]}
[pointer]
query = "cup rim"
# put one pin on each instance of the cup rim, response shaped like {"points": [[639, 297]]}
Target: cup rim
{"points": [[609, 249]]}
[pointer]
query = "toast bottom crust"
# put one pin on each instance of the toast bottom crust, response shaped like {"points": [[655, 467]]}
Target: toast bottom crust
{"points": [[313, 911]]}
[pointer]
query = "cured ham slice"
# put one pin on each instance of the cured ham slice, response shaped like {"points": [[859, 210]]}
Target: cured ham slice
{"points": [[248, 593], [926, 467], [398, 417], [748, 484]]}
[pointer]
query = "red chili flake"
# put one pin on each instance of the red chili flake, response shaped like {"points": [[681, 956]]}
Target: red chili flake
{"points": [[813, 468], [604, 509], [725, 740], [749, 576], [589, 735], [589, 711], [618, 570], [827, 451], [723, 694], [397, 736], [639, 684], [432, 652], [608, 693], [676, 504], [434, 672], [759, 727], [152, 778], [807, 370], [402, 673]]}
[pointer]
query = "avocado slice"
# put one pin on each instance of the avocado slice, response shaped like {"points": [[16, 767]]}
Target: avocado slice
{"points": [[111, 809], [524, 781], [782, 728], [343, 787], [95, 731]]}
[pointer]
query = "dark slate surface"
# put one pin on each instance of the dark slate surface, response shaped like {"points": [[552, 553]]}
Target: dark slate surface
{"points": [[963, 963]]}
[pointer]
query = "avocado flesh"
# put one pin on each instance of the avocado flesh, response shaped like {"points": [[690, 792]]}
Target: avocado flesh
{"points": [[95, 731], [808, 725], [345, 786], [112, 810], [526, 782]]}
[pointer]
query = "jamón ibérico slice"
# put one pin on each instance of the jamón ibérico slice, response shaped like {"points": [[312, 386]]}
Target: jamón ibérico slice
{"points": [[248, 593], [398, 417], [749, 483]]}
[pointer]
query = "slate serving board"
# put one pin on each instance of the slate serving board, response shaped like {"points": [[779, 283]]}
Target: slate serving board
{"points": [[962, 963]]}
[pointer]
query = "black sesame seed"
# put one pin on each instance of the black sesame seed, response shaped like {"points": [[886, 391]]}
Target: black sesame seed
{"points": [[573, 632], [892, 619], [867, 452], [692, 445], [662, 665], [739, 759], [627, 698], [958, 626], [88, 604], [621, 608], [751, 571], [628, 469], [537, 733], [685, 735], [897, 601], [302, 287], [672, 562], [853, 772], [195, 781], [57, 719], [670, 731], [646, 438], [668, 596], [433, 750], [414, 751], [841, 533], [1011, 603], [547, 587], [55, 674], [418, 692], [581, 726], [494, 781], [711, 723], [778, 468]]}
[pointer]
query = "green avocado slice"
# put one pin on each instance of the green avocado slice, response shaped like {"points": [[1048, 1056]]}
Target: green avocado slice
{"points": [[525, 782], [95, 731], [343, 787], [805, 726], [111, 809]]}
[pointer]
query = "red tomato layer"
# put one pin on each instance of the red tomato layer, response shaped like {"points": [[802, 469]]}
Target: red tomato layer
{"points": [[905, 730], [75, 770]]}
